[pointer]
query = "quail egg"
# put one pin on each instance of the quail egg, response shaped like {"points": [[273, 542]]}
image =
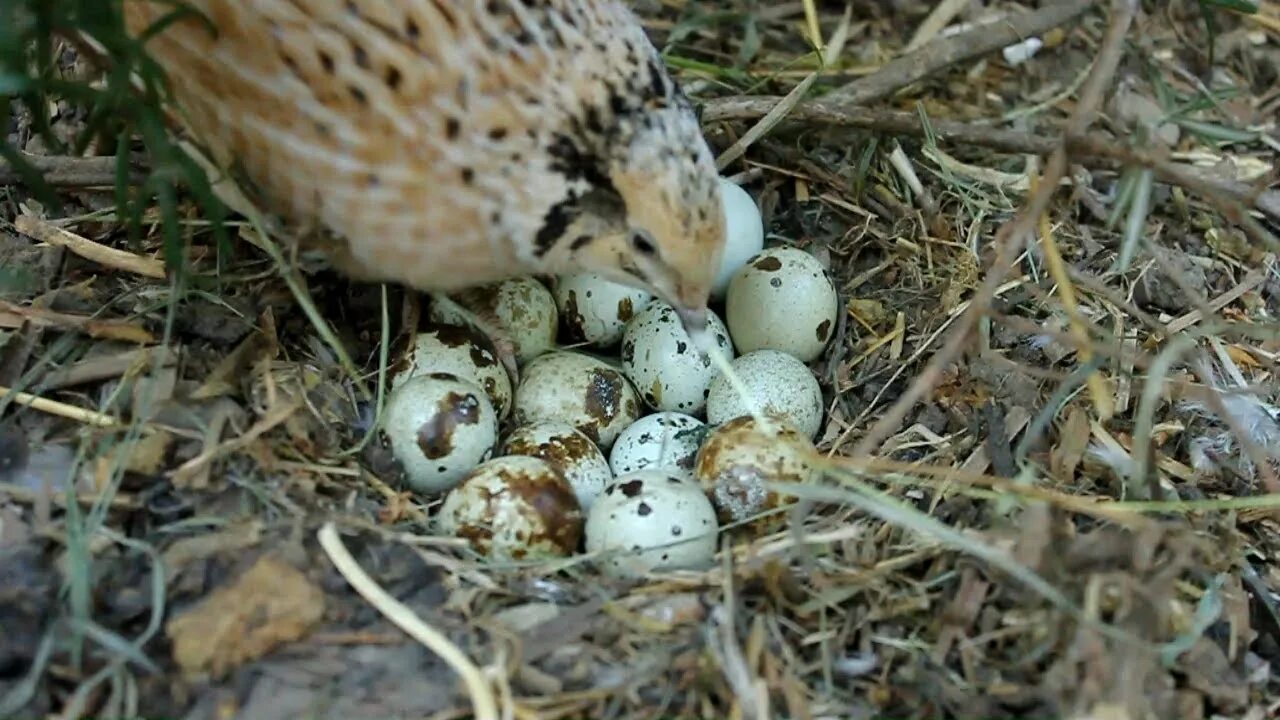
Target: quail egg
{"points": [[459, 350], [522, 308], [666, 367], [744, 233], [739, 459], [778, 385], [594, 310], [438, 426], [514, 507], [579, 390], [652, 520], [664, 440], [782, 299], [566, 449]]}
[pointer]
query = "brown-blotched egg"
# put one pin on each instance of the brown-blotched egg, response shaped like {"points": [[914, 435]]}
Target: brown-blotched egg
{"points": [[566, 449], [514, 507], [782, 299], [594, 310], [666, 367], [743, 233], [777, 384], [664, 441], [739, 458], [458, 350], [439, 426], [523, 308], [652, 520], [580, 390]]}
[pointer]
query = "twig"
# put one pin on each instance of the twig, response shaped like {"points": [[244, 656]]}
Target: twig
{"points": [[53, 407], [69, 171], [47, 232], [103, 368], [942, 52], [1088, 149], [14, 316], [481, 694]]}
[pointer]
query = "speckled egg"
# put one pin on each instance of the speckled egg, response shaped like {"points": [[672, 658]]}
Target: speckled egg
{"points": [[666, 367], [459, 350], [665, 441], [514, 507], [579, 390], [744, 233], [438, 427], [566, 449], [782, 299], [777, 384], [594, 310], [738, 460], [522, 307], [652, 520]]}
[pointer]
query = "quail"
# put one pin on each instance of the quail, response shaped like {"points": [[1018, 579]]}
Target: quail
{"points": [[452, 144]]}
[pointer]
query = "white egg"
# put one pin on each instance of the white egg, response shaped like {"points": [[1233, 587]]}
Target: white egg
{"points": [[744, 233], [777, 385], [521, 307], [664, 441], [458, 350], [579, 390], [438, 427], [566, 449], [594, 310], [666, 367], [652, 520], [782, 299], [739, 460], [514, 507]]}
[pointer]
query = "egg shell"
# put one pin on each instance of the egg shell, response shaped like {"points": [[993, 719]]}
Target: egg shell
{"points": [[651, 520], [514, 507], [744, 233], [739, 459], [438, 427], [777, 384], [660, 441], [595, 310], [665, 365], [579, 390], [782, 299], [459, 350], [522, 308], [568, 450]]}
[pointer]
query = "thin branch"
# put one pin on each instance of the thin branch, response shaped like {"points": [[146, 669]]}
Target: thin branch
{"points": [[943, 52]]}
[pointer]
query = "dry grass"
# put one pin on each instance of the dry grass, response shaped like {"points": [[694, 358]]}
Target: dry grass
{"points": [[1050, 479]]}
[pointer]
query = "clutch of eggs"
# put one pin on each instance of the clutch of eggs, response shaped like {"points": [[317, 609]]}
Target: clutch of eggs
{"points": [[621, 439]]}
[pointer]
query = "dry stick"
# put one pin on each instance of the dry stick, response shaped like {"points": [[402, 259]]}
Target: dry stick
{"points": [[69, 171], [944, 52], [1087, 149], [116, 259]]}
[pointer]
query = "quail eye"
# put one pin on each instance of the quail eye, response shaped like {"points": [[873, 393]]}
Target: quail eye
{"points": [[642, 244]]}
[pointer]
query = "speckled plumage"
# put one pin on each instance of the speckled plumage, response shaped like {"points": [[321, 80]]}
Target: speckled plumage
{"points": [[455, 143]]}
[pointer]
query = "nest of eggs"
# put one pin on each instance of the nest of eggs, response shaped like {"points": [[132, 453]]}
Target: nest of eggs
{"points": [[622, 438]]}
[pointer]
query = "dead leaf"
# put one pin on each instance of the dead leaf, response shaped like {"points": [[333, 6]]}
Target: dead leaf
{"points": [[270, 605], [1072, 443]]}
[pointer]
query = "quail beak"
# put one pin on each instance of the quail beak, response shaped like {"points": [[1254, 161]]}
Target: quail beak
{"points": [[694, 320]]}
